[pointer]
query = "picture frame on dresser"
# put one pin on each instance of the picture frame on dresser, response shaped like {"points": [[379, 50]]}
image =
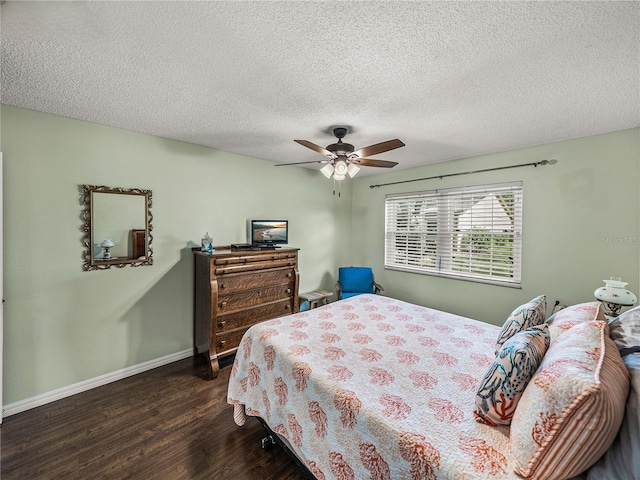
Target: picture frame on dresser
{"points": [[235, 289]]}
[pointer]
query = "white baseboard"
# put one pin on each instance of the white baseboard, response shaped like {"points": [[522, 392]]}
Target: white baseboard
{"points": [[43, 399]]}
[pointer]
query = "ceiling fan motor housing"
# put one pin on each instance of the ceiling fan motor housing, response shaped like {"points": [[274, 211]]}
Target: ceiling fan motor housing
{"points": [[341, 148]]}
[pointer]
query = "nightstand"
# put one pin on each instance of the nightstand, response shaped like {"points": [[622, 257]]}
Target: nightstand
{"points": [[315, 298]]}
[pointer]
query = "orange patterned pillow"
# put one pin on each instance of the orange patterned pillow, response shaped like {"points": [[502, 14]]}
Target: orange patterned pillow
{"points": [[569, 317], [572, 409]]}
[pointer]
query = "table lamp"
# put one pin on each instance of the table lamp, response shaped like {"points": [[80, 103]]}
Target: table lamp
{"points": [[106, 245], [615, 296]]}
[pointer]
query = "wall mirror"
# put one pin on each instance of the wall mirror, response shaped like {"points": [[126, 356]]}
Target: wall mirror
{"points": [[117, 227]]}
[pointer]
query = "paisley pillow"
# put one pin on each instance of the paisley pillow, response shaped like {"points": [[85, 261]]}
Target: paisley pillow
{"points": [[503, 384], [525, 316]]}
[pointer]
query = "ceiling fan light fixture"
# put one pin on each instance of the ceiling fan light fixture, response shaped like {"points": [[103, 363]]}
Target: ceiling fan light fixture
{"points": [[353, 170], [327, 170], [341, 168], [337, 176]]}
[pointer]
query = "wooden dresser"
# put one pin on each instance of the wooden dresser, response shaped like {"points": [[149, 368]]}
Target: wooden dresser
{"points": [[235, 289]]}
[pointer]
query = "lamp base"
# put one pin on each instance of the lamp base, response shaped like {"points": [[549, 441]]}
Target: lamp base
{"points": [[612, 309]]}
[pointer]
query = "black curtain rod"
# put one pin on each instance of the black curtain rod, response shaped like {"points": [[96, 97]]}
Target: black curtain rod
{"points": [[532, 164]]}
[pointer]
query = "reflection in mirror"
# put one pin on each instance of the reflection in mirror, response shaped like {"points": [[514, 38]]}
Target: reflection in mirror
{"points": [[117, 227]]}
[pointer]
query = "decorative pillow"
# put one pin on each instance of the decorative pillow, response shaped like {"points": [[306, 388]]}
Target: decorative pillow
{"points": [[572, 409], [573, 315], [625, 331], [622, 460], [525, 316], [514, 365]]}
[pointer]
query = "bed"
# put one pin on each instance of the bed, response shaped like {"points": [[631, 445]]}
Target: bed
{"points": [[373, 387]]}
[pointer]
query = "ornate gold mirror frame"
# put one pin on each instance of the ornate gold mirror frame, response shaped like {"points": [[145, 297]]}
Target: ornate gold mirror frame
{"points": [[116, 226]]}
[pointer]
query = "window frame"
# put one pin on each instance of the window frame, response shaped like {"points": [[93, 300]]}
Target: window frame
{"points": [[499, 252]]}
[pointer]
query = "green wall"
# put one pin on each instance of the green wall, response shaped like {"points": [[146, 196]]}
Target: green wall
{"points": [[63, 325], [580, 225]]}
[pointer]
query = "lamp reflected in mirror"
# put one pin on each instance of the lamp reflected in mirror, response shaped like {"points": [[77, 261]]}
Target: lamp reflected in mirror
{"points": [[106, 246]]}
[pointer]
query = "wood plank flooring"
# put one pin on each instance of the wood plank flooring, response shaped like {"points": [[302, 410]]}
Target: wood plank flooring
{"points": [[169, 423]]}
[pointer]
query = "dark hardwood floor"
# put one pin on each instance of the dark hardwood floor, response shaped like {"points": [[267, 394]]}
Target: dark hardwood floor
{"points": [[168, 423]]}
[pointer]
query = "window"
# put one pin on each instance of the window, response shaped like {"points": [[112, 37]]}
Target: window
{"points": [[473, 233]]}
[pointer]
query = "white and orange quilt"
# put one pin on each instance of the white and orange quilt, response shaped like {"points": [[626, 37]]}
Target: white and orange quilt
{"points": [[374, 388]]}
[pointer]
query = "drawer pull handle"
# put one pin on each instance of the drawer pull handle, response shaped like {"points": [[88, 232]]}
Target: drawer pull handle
{"points": [[288, 290], [286, 307], [289, 275], [222, 324], [221, 286], [222, 343], [223, 304]]}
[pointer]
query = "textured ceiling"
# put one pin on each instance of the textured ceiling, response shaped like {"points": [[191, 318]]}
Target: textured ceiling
{"points": [[450, 79]]}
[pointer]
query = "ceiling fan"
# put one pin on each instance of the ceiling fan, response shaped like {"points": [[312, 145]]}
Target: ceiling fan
{"points": [[342, 158]]}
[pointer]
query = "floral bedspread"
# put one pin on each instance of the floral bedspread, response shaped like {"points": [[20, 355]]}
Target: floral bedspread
{"points": [[373, 388]]}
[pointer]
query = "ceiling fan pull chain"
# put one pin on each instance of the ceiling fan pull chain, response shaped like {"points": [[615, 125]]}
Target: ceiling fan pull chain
{"points": [[334, 188]]}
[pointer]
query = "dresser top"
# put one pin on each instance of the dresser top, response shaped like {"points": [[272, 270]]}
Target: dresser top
{"points": [[226, 250]]}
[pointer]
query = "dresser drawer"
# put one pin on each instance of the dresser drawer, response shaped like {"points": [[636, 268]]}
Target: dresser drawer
{"points": [[252, 298], [254, 267], [247, 281], [256, 258], [231, 321], [229, 341]]}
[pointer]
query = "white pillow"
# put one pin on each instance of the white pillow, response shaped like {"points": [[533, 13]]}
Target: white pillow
{"points": [[625, 331]]}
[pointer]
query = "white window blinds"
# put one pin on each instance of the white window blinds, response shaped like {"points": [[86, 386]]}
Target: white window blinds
{"points": [[472, 233]]}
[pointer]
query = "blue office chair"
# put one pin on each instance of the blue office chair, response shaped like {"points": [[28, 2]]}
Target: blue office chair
{"points": [[354, 281]]}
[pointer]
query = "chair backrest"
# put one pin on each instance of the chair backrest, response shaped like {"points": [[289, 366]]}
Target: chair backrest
{"points": [[356, 279]]}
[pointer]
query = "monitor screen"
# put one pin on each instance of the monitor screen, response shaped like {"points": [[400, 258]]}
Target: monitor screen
{"points": [[269, 232]]}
